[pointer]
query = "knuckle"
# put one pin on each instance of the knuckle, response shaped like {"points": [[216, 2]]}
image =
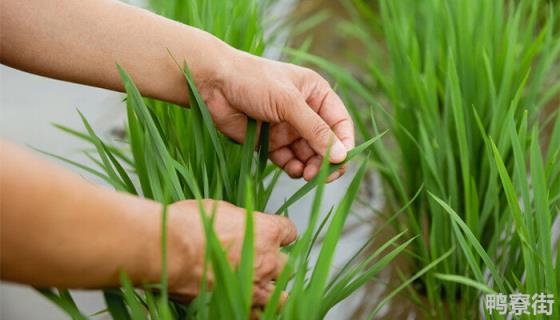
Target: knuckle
{"points": [[320, 131], [310, 73], [323, 84], [259, 261], [268, 265], [267, 230], [274, 232], [291, 231], [314, 77]]}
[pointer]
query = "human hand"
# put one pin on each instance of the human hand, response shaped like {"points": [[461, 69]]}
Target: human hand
{"points": [[305, 114], [187, 246]]}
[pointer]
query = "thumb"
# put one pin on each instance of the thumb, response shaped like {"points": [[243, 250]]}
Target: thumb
{"points": [[314, 129]]}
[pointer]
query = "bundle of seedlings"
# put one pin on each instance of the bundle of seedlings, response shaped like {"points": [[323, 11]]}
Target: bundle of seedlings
{"points": [[463, 86], [172, 153]]}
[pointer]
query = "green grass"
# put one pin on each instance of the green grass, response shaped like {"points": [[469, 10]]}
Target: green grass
{"points": [[463, 85]]}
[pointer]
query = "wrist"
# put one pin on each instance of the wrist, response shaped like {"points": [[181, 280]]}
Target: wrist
{"points": [[139, 238], [211, 62], [179, 248], [146, 264]]}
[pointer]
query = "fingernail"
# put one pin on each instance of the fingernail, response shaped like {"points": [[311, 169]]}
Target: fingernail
{"points": [[338, 152]]}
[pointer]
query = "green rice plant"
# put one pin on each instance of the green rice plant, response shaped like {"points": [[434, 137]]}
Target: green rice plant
{"points": [[313, 291], [526, 261], [452, 77], [172, 153]]}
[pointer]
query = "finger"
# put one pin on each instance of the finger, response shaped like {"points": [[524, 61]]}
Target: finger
{"points": [[270, 266], [313, 128], [344, 130], [302, 150], [281, 135], [286, 159], [331, 108], [337, 174], [262, 292], [282, 156], [288, 231], [294, 168], [312, 167]]}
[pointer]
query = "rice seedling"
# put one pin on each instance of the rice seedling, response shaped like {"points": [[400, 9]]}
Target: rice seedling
{"points": [[167, 179], [525, 263], [464, 83], [173, 153]]}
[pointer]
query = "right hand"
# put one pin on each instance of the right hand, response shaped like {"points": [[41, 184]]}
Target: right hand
{"points": [[187, 243], [304, 112]]}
